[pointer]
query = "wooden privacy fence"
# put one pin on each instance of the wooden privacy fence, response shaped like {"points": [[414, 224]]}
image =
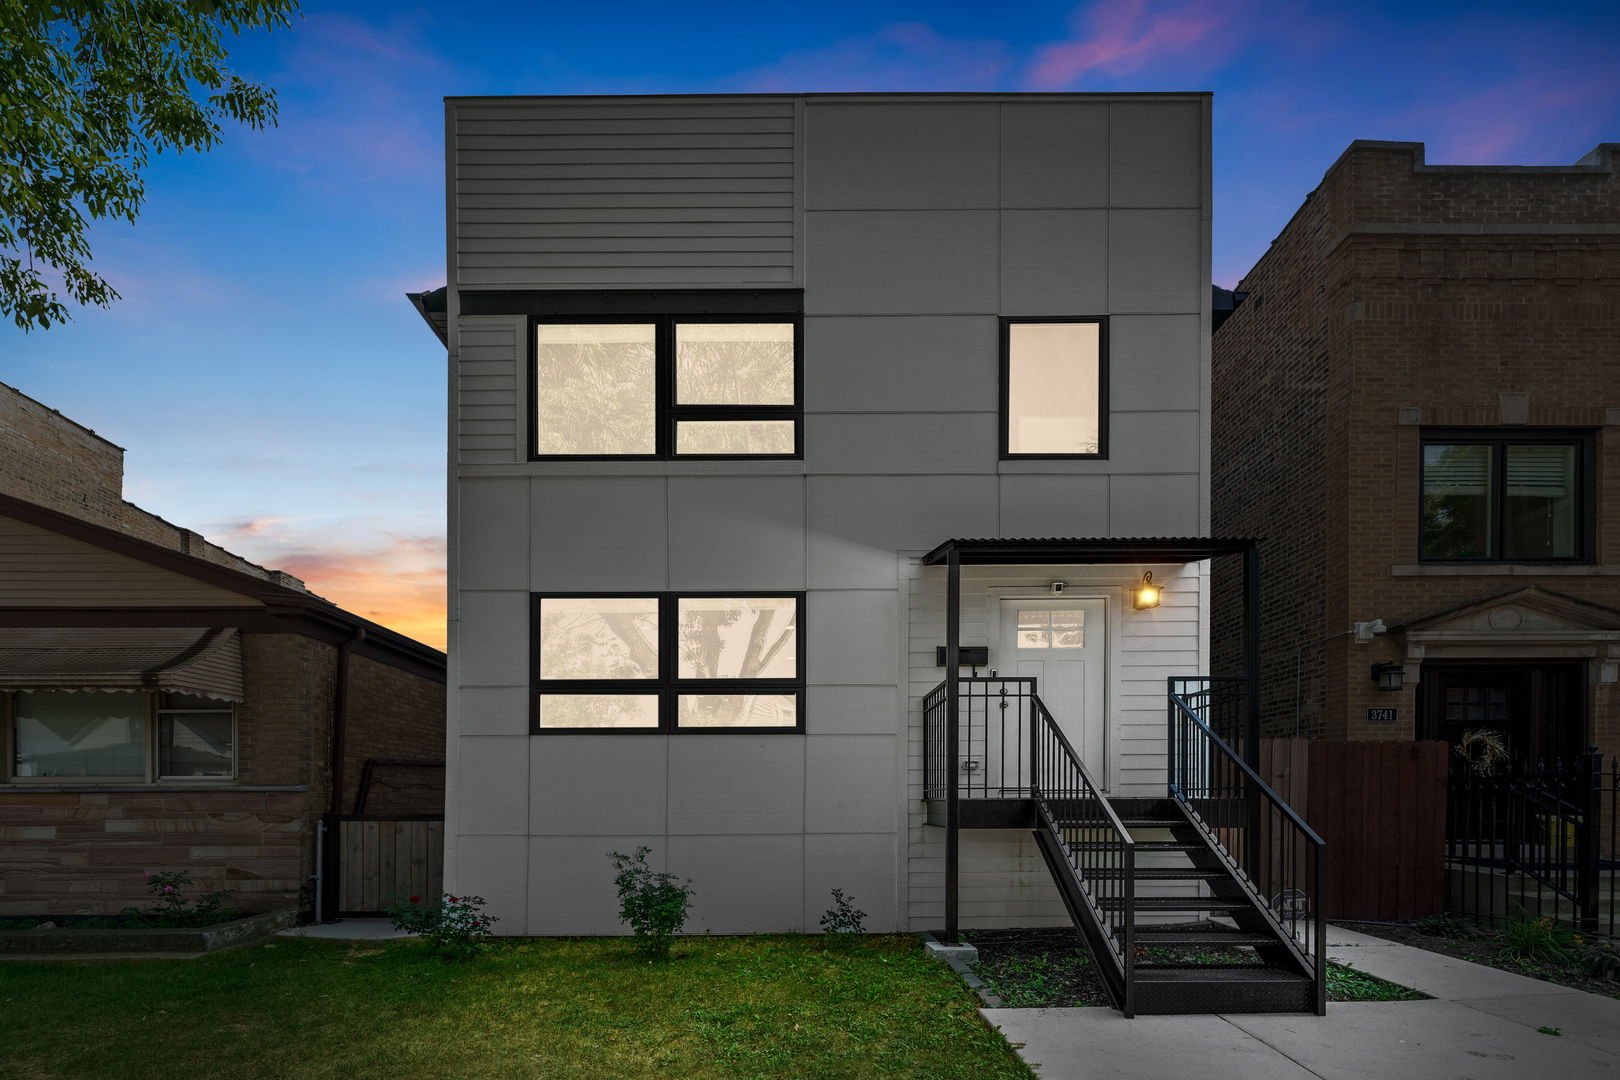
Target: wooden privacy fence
{"points": [[1381, 808], [381, 858]]}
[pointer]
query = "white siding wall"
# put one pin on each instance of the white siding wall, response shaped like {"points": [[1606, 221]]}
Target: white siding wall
{"points": [[917, 221]]}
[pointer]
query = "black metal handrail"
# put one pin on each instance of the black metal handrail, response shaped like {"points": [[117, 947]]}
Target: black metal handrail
{"points": [[993, 722], [1274, 856], [1100, 852]]}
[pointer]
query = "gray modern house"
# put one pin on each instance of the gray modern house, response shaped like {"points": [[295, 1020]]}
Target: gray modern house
{"points": [[745, 390]]}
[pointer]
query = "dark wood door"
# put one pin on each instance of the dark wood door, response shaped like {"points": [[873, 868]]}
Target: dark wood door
{"points": [[1538, 708]]}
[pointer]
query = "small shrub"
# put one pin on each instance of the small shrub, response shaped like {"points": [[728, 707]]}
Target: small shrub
{"points": [[1528, 939], [174, 907], [1599, 959], [456, 926], [654, 904], [1454, 927], [843, 917]]}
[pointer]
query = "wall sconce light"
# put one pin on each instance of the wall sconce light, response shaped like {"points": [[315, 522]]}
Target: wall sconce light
{"points": [[1387, 676], [1146, 595]]}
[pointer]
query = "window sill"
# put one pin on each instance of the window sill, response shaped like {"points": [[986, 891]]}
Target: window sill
{"points": [[1505, 570], [91, 787]]}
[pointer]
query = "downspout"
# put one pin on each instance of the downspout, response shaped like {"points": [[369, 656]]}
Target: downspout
{"points": [[327, 872]]}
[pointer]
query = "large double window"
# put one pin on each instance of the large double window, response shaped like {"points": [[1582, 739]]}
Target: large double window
{"points": [[699, 386], [1054, 388], [668, 662], [1506, 497], [129, 736]]}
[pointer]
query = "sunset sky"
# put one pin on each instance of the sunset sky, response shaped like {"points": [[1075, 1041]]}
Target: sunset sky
{"points": [[275, 391]]}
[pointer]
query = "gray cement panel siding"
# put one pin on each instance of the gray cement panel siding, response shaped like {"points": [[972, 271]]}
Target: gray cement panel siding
{"points": [[911, 223]]}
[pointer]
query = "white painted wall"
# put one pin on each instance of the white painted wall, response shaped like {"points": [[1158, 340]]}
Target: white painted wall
{"points": [[911, 223]]}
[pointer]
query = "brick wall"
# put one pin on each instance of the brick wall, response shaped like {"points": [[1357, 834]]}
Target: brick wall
{"points": [[1402, 296], [394, 714]]}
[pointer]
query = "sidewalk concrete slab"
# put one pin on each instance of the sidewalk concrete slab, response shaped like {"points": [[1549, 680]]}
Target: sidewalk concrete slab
{"points": [[1380, 1040], [1442, 976], [1586, 1018], [1100, 1044], [349, 930]]}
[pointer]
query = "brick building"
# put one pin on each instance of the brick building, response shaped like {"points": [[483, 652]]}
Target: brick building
{"points": [[1417, 405], [167, 705]]}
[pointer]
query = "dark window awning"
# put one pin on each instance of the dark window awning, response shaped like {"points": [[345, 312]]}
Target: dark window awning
{"points": [[1155, 549], [180, 659]]}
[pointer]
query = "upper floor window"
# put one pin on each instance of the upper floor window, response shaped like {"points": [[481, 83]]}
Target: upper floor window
{"points": [[1054, 388], [700, 386], [1506, 497]]}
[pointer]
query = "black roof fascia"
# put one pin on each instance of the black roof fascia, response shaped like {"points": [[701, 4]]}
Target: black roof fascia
{"points": [[1094, 550]]}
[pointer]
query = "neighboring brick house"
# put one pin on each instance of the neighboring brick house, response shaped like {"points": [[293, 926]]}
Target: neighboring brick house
{"points": [[1417, 405], [166, 705]]}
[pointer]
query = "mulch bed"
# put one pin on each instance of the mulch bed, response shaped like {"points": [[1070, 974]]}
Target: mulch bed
{"points": [[1488, 951], [1040, 967]]}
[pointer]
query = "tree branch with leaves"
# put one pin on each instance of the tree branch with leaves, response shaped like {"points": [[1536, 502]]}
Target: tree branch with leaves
{"points": [[88, 92]]}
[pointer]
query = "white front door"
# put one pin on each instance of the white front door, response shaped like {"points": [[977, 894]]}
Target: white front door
{"points": [[1062, 643]]}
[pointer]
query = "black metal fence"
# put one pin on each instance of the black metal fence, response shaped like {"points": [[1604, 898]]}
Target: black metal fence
{"points": [[1535, 840], [994, 727]]}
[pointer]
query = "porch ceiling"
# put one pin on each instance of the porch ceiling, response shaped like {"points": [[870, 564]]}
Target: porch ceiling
{"points": [[1160, 549]]}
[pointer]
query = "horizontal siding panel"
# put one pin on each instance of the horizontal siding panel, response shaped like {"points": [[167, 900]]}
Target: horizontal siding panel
{"points": [[486, 397], [488, 427], [554, 200], [506, 382], [488, 412], [474, 174], [664, 125], [479, 369], [467, 145], [586, 246], [605, 231], [609, 275], [470, 160], [648, 185], [583, 217], [565, 259], [606, 110], [489, 442]]}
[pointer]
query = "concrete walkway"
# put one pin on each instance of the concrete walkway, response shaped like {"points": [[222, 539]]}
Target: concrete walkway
{"points": [[349, 930], [1481, 1025]]}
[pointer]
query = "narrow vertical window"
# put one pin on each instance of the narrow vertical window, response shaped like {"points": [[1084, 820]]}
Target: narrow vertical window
{"points": [[1053, 389]]}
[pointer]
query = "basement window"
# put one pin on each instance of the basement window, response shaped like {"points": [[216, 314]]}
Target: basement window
{"points": [[661, 387], [668, 662]]}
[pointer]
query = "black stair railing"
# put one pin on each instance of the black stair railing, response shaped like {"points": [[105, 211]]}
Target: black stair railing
{"points": [[1100, 854], [992, 729], [1272, 853]]}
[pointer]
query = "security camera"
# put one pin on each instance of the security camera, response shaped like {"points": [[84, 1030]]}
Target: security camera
{"points": [[1058, 587]]}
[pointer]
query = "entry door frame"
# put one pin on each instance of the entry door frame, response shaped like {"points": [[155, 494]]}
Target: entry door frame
{"points": [[1113, 598], [1542, 680]]}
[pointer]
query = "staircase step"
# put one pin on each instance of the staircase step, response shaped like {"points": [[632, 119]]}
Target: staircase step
{"points": [[1141, 846], [1152, 822], [1169, 873], [1179, 903], [1248, 989], [1149, 937]]}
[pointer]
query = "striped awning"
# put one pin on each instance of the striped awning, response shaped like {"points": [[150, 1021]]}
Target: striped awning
{"points": [[206, 661]]}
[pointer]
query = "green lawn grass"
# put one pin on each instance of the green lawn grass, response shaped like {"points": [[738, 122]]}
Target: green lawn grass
{"points": [[761, 1007]]}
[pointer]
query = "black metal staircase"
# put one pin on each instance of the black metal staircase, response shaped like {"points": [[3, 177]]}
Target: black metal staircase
{"points": [[1206, 900]]}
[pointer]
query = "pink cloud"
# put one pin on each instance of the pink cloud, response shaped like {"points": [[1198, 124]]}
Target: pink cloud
{"points": [[1506, 124], [899, 56], [1126, 36]]}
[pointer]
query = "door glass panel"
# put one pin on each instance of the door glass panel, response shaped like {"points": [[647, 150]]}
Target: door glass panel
{"points": [[81, 734], [752, 637], [734, 364], [1069, 639], [1034, 618], [1033, 639], [595, 389], [1539, 504], [737, 710], [599, 638], [598, 711], [1053, 388], [734, 436], [1069, 618]]}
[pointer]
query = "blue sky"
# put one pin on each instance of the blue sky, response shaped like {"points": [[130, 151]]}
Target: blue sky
{"points": [[275, 391]]}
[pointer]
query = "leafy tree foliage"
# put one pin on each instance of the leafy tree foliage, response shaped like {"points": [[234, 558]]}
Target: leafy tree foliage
{"points": [[89, 89]]}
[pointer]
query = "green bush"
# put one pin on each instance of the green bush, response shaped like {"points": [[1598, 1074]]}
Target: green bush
{"points": [[456, 926], [654, 904], [843, 917], [1525, 938], [1454, 927]]}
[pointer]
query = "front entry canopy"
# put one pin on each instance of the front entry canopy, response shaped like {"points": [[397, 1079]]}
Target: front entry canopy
{"points": [[1156, 549]]}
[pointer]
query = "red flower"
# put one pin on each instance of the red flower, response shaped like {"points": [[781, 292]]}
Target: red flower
{"points": [[416, 899], [453, 900]]}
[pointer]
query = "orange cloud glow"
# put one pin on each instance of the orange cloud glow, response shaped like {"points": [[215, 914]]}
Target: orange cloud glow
{"points": [[400, 586]]}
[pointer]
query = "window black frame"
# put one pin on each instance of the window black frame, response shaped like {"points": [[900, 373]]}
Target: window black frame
{"points": [[668, 687], [1499, 439], [666, 412], [1103, 406]]}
